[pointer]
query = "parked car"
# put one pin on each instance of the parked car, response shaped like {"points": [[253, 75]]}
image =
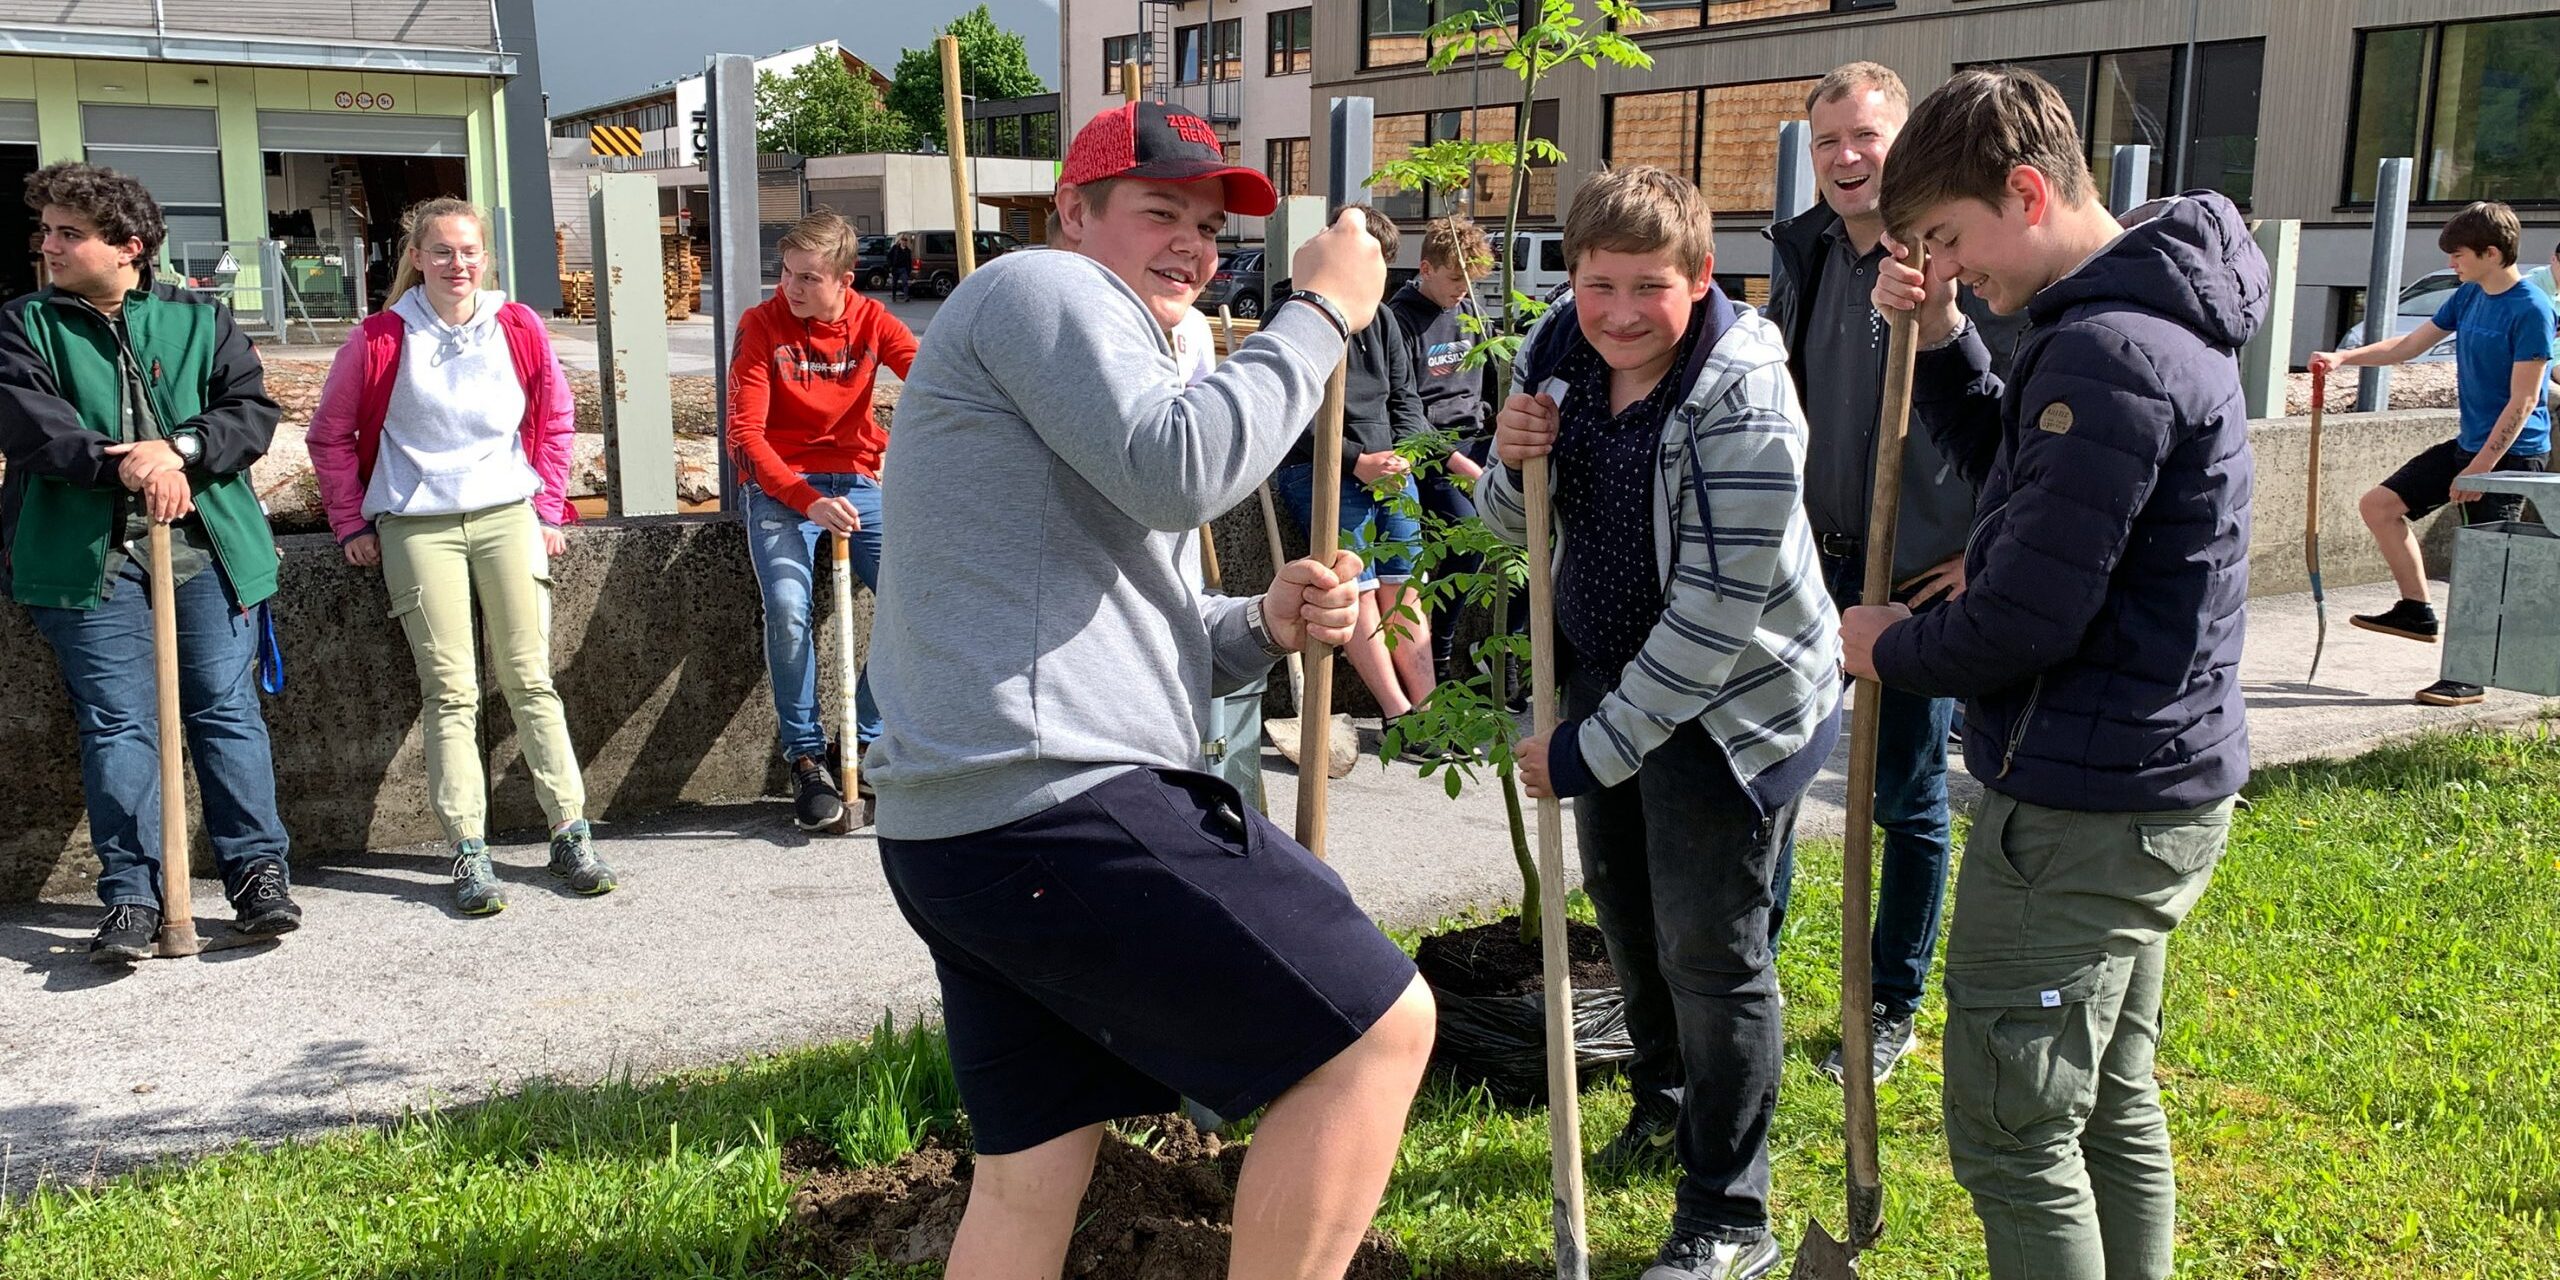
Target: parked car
{"points": [[938, 257], [871, 263], [1537, 269], [1237, 285], [2419, 302]]}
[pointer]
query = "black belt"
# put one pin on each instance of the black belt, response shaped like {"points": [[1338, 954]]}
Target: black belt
{"points": [[1839, 546]]}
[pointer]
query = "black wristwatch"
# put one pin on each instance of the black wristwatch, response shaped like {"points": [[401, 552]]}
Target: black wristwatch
{"points": [[190, 446], [1325, 305]]}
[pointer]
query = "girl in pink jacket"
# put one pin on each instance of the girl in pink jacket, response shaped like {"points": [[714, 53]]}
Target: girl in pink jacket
{"points": [[442, 446]]}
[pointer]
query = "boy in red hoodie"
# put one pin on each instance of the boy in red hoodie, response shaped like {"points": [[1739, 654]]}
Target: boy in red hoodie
{"points": [[800, 425]]}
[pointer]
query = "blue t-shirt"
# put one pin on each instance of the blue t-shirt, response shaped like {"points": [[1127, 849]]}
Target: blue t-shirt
{"points": [[2498, 331]]}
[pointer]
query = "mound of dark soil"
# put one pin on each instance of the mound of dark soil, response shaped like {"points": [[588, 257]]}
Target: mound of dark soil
{"points": [[1150, 1214], [1490, 960]]}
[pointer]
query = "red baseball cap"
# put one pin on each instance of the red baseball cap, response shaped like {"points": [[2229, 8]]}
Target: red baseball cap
{"points": [[1166, 144]]}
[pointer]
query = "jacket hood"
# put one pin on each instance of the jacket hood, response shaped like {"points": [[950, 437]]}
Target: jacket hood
{"points": [[414, 309], [1732, 340], [2187, 257]]}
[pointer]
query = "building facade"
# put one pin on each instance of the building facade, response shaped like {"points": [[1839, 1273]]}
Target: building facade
{"points": [[285, 137], [2285, 105], [664, 115]]}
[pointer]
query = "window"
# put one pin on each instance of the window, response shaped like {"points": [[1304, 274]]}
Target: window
{"points": [[1190, 45], [1226, 49], [1488, 196], [2485, 98], [1040, 136], [1119, 49], [1396, 33], [2136, 97], [1682, 15], [1724, 138], [1287, 167], [1292, 42]]}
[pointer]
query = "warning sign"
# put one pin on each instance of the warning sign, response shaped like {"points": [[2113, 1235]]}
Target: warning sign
{"points": [[613, 140]]}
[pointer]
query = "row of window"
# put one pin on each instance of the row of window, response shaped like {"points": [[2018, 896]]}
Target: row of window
{"points": [[655, 115], [1214, 51], [1397, 33], [1025, 137], [2475, 104]]}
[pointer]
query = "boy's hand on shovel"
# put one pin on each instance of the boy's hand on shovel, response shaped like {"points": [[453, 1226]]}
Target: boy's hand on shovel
{"points": [[1899, 288], [1309, 601]]}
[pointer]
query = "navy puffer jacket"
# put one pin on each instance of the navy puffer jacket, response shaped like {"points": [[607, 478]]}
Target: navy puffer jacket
{"points": [[2107, 574]]}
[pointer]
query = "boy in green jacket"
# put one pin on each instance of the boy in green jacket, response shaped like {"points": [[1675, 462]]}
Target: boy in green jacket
{"points": [[125, 403]]}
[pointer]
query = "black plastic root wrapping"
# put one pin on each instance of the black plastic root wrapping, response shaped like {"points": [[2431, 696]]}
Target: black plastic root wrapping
{"points": [[1502, 1040]]}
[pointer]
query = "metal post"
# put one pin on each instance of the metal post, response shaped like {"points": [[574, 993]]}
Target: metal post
{"points": [[2382, 287], [271, 264], [1346, 178], [1297, 220], [631, 345], [1795, 168], [2130, 184], [737, 275], [2268, 359]]}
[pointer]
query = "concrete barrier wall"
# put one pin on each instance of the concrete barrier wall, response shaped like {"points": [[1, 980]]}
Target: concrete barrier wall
{"points": [[657, 645]]}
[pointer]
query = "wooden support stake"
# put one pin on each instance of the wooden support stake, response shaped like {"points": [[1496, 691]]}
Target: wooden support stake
{"points": [[1324, 537], [964, 210], [1564, 1093], [177, 886]]}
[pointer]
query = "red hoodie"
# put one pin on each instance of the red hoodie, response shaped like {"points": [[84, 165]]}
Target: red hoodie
{"points": [[800, 394]]}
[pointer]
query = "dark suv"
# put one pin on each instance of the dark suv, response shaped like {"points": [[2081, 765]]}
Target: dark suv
{"points": [[938, 257], [1237, 286], [871, 263]]}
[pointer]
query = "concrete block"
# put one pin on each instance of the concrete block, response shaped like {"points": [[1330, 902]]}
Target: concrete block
{"points": [[2356, 452]]}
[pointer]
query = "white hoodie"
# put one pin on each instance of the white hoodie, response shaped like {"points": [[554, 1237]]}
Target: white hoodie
{"points": [[451, 440]]}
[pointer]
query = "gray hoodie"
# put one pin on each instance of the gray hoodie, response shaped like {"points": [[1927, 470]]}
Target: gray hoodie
{"points": [[1040, 628], [451, 437]]}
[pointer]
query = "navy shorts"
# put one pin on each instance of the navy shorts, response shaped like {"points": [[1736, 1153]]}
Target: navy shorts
{"points": [[1152, 939]]}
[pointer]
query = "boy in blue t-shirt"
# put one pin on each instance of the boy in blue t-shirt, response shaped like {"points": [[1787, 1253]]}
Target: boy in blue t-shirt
{"points": [[2502, 349]]}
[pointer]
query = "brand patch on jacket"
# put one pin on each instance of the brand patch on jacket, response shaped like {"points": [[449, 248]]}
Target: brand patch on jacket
{"points": [[2056, 418], [793, 363]]}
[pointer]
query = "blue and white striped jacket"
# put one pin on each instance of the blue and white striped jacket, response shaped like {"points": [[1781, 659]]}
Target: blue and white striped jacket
{"points": [[1749, 641]]}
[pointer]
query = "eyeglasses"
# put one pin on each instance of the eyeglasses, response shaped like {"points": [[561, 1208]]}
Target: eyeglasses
{"points": [[448, 256]]}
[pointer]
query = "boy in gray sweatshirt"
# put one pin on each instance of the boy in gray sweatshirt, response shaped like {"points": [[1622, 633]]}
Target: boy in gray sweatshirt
{"points": [[1113, 928]]}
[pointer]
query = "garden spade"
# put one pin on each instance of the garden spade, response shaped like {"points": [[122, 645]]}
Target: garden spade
{"points": [[848, 747], [1324, 537], [2311, 523], [177, 902], [1819, 1256], [1564, 1098], [1283, 731]]}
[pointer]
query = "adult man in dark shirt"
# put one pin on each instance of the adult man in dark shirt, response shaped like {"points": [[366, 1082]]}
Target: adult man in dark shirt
{"points": [[1819, 296]]}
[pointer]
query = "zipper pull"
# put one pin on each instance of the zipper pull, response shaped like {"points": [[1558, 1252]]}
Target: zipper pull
{"points": [[155, 371]]}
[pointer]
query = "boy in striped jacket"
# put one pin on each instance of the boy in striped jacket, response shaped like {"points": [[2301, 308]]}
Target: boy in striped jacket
{"points": [[1701, 674]]}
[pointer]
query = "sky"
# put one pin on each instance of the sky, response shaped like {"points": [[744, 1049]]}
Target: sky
{"points": [[598, 50]]}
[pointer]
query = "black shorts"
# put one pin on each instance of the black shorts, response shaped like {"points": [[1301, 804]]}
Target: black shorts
{"points": [[1152, 939], [2425, 482]]}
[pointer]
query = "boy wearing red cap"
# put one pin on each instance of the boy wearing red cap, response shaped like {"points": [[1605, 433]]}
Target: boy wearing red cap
{"points": [[1113, 927]]}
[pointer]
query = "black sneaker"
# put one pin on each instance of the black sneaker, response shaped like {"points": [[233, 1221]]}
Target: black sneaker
{"points": [[820, 802], [1894, 1037], [2408, 619], [1649, 1142], [262, 905], [2451, 693], [1687, 1257], [128, 933]]}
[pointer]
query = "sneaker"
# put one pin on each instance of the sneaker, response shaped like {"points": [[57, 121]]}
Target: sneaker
{"points": [[128, 933], [573, 859], [1412, 750], [262, 905], [2451, 693], [475, 883], [1894, 1037], [2408, 619], [1649, 1142], [1687, 1257], [819, 803]]}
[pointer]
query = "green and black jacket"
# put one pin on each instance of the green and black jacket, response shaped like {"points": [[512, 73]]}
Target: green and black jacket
{"points": [[59, 410]]}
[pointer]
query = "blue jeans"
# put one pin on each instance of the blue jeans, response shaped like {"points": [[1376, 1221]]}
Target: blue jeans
{"points": [[1367, 520], [1911, 807], [785, 547], [108, 668]]}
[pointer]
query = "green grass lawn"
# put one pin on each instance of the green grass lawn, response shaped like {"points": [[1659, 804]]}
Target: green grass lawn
{"points": [[2360, 1063]]}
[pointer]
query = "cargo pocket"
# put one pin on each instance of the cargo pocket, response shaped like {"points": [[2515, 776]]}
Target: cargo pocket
{"points": [[408, 608], [2023, 1041], [2186, 847]]}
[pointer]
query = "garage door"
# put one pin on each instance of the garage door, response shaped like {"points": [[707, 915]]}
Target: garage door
{"points": [[335, 133]]}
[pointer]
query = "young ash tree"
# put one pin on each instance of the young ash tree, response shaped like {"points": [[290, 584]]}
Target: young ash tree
{"points": [[1466, 720]]}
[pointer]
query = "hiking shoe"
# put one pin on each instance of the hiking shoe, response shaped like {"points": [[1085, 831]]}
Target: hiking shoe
{"points": [[1649, 1142], [2451, 693], [127, 933], [819, 803], [1894, 1037], [1688, 1257], [573, 859], [262, 905], [2408, 619], [475, 883]]}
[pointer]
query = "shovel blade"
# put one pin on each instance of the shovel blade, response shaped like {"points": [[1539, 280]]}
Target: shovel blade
{"points": [[1819, 1257]]}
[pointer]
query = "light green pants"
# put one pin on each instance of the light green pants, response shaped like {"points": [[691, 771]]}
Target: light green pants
{"points": [[2053, 973], [435, 566]]}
